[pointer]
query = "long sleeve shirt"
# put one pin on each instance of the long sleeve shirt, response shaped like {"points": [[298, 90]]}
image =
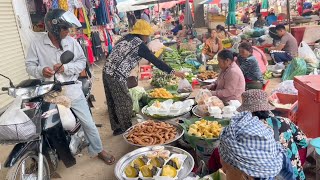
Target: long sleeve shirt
{"points": [[126, 55], [42, 53], [250, 69], [230, 84]]}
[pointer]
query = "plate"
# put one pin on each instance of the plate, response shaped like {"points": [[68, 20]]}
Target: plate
{"points": [[196, 112], [164, 117], [207, 81], [180, 133], [128, 158]]}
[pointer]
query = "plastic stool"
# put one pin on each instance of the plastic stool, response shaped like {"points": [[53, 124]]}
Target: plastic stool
{"points": [[264, 87], [145, 75], [145, 68], [194, 83]]}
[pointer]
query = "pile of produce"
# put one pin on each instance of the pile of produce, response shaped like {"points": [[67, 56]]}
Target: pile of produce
{"points": [[205, 129], [152, 133], [163, 80], [156, 163], [207, 75], [160, 93]]}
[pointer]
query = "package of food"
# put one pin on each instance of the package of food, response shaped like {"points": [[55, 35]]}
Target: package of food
{"points": [[184, 86], [202, 96], [214, 101]]}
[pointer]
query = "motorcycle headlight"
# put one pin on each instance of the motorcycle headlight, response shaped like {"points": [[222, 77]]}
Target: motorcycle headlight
{"points": [[30, 92]]}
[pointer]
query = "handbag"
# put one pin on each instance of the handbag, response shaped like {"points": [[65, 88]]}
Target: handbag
{"points": [[132, 81]]}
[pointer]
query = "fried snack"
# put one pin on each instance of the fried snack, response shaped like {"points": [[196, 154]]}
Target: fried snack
{"points": [[152, 133], [207, 75], [161, 93]]}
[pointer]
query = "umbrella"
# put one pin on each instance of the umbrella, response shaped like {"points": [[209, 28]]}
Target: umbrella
{"points": [[150, 2], [231, 19], [188, 20], [210, 2], [126, 6], [265, 4]]}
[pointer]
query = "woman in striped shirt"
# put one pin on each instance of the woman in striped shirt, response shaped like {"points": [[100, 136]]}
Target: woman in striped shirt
{"points": [[249, 67]]}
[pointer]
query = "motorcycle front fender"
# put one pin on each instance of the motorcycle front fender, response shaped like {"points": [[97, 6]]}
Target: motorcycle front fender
{"points": [[19, 150]]}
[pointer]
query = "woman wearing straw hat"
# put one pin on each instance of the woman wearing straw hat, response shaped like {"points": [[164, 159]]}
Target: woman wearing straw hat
{"points": [[285, 131], [125, 56]]}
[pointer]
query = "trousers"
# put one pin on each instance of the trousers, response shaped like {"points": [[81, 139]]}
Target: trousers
{"points": [[281, 56], [81, 109], [119, 103]]}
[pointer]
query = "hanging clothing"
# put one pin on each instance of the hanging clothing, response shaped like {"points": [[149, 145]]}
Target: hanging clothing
{"points": [[81, 14], [86, 45], [63, 4], [96, 45], [101, 13], [55, 4], [48, 4]]}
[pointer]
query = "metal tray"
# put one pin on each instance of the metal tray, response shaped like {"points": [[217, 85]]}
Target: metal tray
{"points": [[180, 132], [128, 158], [161, 117], [197, 113]]}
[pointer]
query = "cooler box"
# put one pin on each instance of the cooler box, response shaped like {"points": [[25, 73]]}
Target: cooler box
{"points": [[308, 115]]}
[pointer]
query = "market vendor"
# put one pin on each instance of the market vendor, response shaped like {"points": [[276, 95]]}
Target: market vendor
{"points": [[249, 67], [125, 56], [288, 47], [182, 34], [246, 18], [289, 135], [248, 149], [177, 28], [230, 83], [222, 33], [260, 23], [212, 46]]}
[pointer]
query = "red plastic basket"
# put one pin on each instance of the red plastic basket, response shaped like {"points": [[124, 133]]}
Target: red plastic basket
{"points": [[286, 99]]}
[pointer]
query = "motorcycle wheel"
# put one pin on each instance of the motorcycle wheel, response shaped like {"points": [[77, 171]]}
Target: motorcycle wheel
{"points": [[27, 168]]}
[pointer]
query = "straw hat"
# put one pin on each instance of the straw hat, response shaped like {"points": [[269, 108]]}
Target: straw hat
{"points": [[142, 27], [255, 100]]}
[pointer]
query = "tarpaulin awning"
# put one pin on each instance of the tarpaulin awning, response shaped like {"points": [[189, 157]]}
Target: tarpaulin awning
{"points": [[265, 4], [127, 6], [166, 5], [210, 2], [184, 1], [150, 2]]}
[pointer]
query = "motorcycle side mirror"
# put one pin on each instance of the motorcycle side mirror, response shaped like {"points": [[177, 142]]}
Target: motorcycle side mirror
{"points": [[66, 57]]}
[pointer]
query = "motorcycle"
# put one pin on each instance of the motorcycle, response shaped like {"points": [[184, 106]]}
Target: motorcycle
{"points": [[37, 156]]}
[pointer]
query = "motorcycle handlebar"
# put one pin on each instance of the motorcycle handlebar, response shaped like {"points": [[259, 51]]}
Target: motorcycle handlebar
{"points": [[68, 83], [5, 88]]}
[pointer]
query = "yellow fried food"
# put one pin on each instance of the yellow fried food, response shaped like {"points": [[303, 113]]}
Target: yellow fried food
{"points": [[205, 129], [161, 93]]}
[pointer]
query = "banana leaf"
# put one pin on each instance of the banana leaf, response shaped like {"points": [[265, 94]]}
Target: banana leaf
{"points": [[193, 140]]}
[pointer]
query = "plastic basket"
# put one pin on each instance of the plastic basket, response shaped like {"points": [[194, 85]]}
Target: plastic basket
{"points": [[285, 99], [16, 133]]}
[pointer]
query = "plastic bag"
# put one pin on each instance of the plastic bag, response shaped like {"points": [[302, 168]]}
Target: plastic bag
{"points": [[286, 87], [202, 96], [14, 114], [136, 94], [184, 86], [297, 67], [308, 55], [67, 118]]}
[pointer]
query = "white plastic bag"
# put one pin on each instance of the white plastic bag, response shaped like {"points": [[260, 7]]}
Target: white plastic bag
{"points": [[202, 96], [67, 118], [14, 114], [307, 54], [184, 86]]}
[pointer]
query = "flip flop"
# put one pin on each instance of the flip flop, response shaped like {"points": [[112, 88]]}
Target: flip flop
{"points": [[108, 159]]}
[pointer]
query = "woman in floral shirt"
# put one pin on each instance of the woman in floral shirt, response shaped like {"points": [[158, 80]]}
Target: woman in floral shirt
{"points": [[290, 136]]}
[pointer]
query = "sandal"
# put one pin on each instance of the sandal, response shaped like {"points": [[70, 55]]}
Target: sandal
{"points": [[107, 158]]}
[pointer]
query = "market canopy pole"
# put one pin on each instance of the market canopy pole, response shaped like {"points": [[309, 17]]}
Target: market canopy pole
{"points": [[188, 20], [288, 15]]}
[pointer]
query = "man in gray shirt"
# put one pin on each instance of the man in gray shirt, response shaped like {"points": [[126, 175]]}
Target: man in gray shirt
{"points": [[43, 60], [288, 47]]}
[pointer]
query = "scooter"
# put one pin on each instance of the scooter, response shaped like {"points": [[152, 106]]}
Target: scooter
{"points": [[38, 156]]}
